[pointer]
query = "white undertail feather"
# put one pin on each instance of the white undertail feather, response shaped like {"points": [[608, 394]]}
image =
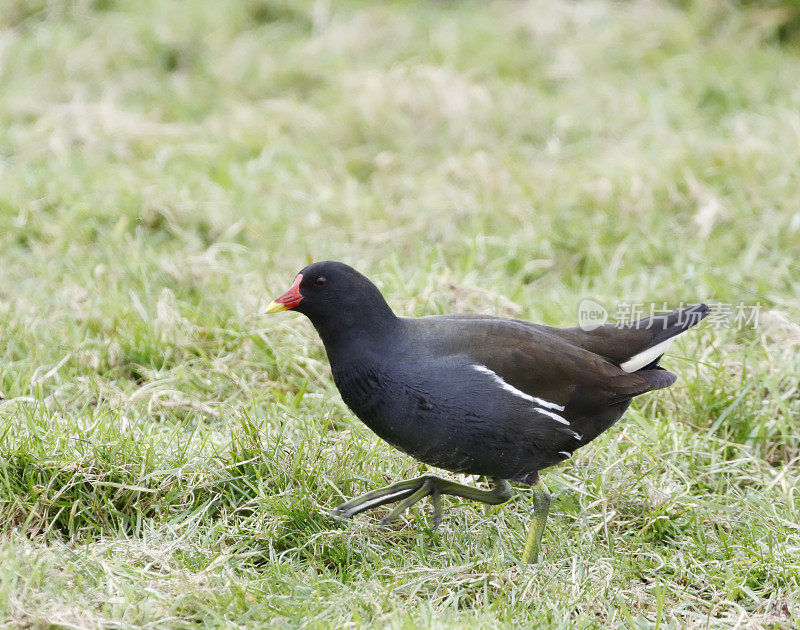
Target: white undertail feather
{"points": [[638, 361]]}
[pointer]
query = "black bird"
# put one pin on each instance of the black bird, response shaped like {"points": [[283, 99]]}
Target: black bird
{"points": [[476, 394]]}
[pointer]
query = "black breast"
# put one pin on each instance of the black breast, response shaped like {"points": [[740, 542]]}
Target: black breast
{"points": [[398, 412], [443, 418]]}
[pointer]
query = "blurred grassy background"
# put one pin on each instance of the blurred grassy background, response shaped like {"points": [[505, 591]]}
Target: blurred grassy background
{"points": [[167, 455]]}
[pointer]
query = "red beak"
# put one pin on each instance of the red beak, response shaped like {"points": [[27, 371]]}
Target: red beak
{"points": [[288, 300]]}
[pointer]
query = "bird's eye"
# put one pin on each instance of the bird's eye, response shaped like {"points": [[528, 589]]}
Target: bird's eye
{"points": [[319, 281]]}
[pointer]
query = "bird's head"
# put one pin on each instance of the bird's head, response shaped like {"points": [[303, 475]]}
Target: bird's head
{"points": [[336, 298]]}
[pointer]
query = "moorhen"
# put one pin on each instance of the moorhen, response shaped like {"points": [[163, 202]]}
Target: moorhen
{"points": [[476, 394]]}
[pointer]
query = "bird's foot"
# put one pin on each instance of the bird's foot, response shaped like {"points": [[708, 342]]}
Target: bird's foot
{"points": [[414, 490], [427, 487], [376, 498]]}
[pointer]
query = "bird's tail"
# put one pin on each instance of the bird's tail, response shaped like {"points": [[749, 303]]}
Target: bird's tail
{"points": [[657, 334]]}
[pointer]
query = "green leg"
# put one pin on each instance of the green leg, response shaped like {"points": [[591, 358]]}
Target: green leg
{"points": [[541, 507], [414, 490]]}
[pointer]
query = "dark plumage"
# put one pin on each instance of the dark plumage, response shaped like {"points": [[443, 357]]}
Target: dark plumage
{"points": [[476, 394]]}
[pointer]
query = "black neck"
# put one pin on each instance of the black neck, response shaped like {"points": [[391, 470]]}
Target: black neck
{"points": [[354, 331]]}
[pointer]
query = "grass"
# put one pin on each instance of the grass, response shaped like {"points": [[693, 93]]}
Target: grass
{"points": [[168, 455]]}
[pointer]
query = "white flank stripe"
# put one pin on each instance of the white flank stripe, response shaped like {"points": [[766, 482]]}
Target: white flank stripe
{"points": [[638, 361], [577, 435], [554, 416], [564, 453], [510, 388], [548, 404]]}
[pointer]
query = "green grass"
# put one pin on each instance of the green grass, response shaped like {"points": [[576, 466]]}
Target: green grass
{"points": [[168, 455]]}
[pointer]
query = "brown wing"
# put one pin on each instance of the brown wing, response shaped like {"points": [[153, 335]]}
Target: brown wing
{"points": [[614, 342], [536, 361]]}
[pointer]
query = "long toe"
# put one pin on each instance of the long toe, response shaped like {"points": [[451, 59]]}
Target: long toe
{"points": [[425, 488], [341, 513], [396, 492]]}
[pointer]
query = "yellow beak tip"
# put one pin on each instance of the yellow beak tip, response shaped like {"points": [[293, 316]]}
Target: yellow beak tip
{"points": [[275, 307]]}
